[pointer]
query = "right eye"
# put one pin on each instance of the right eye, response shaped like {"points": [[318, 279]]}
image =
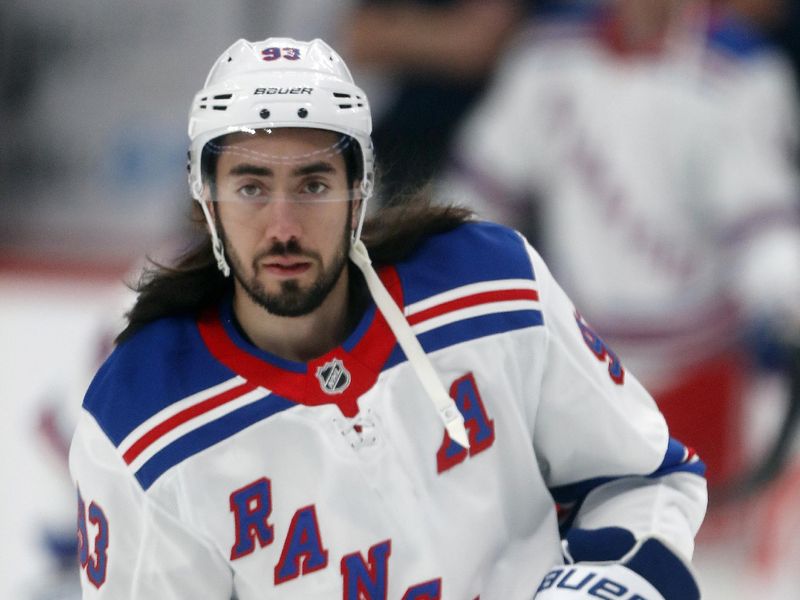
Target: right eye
{"points": [[249, 191]]}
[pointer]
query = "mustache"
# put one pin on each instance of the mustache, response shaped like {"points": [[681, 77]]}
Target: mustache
{"points": [[285, 249]]}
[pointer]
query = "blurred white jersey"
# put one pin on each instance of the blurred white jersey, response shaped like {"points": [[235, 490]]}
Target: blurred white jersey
{"points": [[665, 194], [207, 467]]}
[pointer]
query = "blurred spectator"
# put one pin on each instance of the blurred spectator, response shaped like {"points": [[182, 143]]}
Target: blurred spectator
{"points": [[439, 53], [652, 147]]}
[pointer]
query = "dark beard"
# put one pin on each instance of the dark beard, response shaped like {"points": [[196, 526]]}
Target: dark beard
{"points": [[291, 301]]}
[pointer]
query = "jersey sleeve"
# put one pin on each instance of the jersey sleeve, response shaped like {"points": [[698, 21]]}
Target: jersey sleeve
{"points": [[601, 442], [130, 546]]}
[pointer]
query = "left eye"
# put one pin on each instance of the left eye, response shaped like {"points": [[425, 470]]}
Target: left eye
{"points": [[315, 187]]}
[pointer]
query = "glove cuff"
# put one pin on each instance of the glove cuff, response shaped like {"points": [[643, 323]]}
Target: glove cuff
{"points": [[650, 559], [584, 581]]}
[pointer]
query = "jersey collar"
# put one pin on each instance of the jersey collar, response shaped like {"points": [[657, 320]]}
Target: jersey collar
{"points": [[338, 377]]}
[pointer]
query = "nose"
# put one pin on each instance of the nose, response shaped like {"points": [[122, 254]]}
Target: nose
{"points": [[281, 220]]}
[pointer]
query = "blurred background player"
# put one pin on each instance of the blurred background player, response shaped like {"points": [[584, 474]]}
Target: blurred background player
{"points": [[649, 148]]}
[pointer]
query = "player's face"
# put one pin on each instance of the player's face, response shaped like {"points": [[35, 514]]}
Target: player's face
{"points": [[285, 215]]}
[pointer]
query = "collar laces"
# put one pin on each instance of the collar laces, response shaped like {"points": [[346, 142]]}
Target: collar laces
{"points": [[360, 432], [448, 412]]}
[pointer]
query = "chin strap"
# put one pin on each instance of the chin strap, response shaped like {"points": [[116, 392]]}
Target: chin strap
{"points": [[216, 243], [451, 417]]}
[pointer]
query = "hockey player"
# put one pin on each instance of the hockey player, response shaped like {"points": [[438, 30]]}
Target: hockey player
{"points": [[315, 405]]}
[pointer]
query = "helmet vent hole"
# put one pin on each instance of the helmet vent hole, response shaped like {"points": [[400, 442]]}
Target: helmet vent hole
{"points": [[264, 113], [223, 97], [345, 106], [302, 113], [203, 106], [218, 107], [340, 95]]}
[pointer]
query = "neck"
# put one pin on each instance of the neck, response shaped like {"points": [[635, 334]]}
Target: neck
{"points": [[636, 27], [297, 338]]}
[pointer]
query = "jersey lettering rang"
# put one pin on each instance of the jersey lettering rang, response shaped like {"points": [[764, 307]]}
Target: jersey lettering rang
{"points": [[207, 467]]}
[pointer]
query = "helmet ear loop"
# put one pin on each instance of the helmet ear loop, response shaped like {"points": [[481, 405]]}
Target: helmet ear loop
{"points": [[366, 191], [216, 242]]}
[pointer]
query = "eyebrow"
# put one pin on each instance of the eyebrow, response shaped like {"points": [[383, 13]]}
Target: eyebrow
{"points": [[261, 171]]}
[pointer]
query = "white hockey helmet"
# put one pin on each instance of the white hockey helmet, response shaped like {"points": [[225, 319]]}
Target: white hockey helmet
{"points": [[278, 82]]}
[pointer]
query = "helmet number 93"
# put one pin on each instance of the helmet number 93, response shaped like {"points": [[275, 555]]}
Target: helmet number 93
{"points": [[274, 53]]}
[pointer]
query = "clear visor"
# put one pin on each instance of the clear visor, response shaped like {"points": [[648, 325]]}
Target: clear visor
{"points": [[303, 166]]}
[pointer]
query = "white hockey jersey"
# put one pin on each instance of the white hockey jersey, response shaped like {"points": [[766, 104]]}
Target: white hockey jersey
{"points": [[207, 468], [665, 195]]}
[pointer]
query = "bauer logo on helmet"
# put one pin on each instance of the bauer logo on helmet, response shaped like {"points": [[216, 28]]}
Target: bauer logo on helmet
{"points": [[275, 90]]}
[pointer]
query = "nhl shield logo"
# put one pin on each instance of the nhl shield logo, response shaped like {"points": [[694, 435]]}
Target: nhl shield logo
{"points": [[333, 377]]}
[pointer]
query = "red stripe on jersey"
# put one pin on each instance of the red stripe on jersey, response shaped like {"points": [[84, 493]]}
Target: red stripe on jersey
{"points": [[472, 300], [185, 415]]}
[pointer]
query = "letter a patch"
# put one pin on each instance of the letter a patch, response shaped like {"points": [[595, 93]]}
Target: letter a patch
{"points": [[478, 424]]}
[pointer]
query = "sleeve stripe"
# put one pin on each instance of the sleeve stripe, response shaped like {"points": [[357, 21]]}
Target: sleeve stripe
{"points": [[474, 292], [176, 408], [677, 459]]}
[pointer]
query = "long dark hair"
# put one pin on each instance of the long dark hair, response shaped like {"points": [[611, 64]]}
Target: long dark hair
{"points": [[194, 281]]}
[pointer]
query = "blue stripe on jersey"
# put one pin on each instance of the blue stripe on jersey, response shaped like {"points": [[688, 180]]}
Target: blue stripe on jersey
{"points": [[163, 363], [472, 253], [470, 329], [209, 434]]}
